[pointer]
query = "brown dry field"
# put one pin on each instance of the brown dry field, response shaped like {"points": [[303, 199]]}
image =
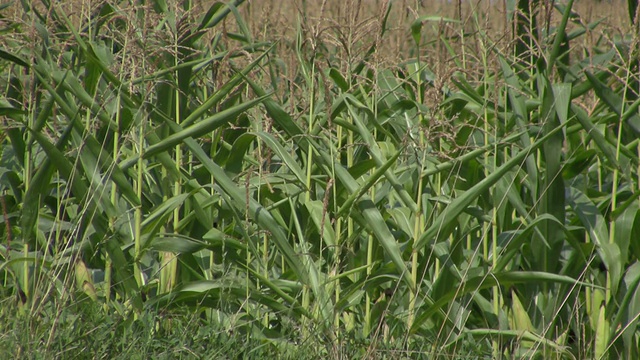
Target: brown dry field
{"points": [[348, 24], [274, 19], [345, 29], [341, 31]]}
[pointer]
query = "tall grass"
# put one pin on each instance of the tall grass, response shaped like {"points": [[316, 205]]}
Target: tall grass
{"points": [[164, 167]]}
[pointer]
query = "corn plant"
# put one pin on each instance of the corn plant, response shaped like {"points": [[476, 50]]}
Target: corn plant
{"points": [[161, 160]]}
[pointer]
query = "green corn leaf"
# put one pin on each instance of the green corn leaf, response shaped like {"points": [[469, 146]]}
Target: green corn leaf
{"points": [[283, 154], [13, 58], [235, 162], [322, 222], [602, 334], [84, 280], [614, 102], [416, 26], [368, 184], [256, 211], [38, 185], [441, 226], [107, 164], [224, 91], [376, 154], [370, 213], [633, 10], [201, 128], [521, 320], [216, 13], [518, 336], [553, 186], [160, 214], [559, 37], [606, 149], [487, 281], [176, 244], [596, 226], [624, 224], [623, 324], [515, 92]]}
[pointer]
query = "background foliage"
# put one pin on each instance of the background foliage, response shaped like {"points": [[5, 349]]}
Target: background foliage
{"points": [[178, 182]]}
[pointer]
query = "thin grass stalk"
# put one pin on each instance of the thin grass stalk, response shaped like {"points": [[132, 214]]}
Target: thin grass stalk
{"points": [[614, 189], [114, 190], [25, 271], [29, 160], [171, 258], [591, 295], [339, 219], [114, 198], [350, 145], [306, 300], [419, 221], [138, 210], [165, 257], [491, 228], [308, 75], [368, 300], [265, 238], [370, 239], [331, 191], [248, 259], [212, 192]]}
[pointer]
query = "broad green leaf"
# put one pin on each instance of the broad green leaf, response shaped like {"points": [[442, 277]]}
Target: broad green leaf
{"points": [[322, 222], [517, 336], [521, 320], [633, 10], [224, 91], [596, 226], [256, 211], [562, 103], [416, 26], [162, 212], [614, 102], [441, 226], [511, 241], [368, 184], [235, 162], [283, 154], [176, 244], [624, 230], [84, 281], [377, 155], [370, 213], [559, 37], [13, 58], [516, 91], [211, 292], [107, 164], [602, 334], [606, 149], [478, 283], [216, 14], [553, 187], [201, 128]]}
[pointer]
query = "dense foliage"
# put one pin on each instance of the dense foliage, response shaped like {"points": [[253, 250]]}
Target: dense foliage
{"points": [[167, 182]]}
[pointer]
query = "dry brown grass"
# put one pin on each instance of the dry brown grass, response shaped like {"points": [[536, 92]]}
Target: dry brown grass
{"points": [[339, 32], [349, 27], [357, 21]]}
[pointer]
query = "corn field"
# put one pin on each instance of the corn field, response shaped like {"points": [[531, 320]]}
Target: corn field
{"points": [[458, 192]]}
